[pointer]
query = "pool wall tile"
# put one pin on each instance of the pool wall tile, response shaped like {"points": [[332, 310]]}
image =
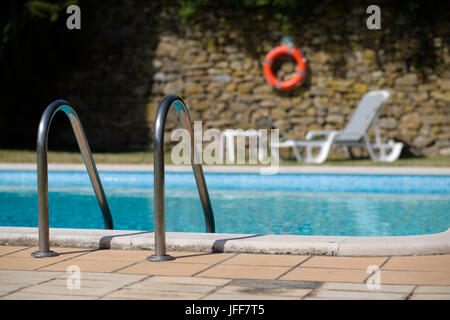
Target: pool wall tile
{"points": [[378, 183]]}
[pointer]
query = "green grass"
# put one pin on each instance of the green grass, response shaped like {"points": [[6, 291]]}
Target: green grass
{"points": [[431, 161], [146, 157], [28, 156]]}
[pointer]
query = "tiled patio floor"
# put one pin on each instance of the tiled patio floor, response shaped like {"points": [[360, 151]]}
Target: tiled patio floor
{"points": [[121, 274]]}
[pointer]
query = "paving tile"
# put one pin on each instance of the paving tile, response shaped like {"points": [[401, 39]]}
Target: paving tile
{"points": [[223, 296], [363, 287], [4, 292], [285, 292], [34, 296], [198, 257], [343, 262], [135, 294], [432, 289], [188, 288], [189, 280], [86, 283], [265, 260], [22, 260], [117, 255], [10, 249], [326, 274], [19, 276], [430, 296], [64, 253], [91, 283], [7, 288], [89, 265], [415, 277], [98, 276], [419, 263], [276, 284], [164, 268], [12, 280], [243, 272], [7, 263], [62, 289], [359, 295], [317, 298]]}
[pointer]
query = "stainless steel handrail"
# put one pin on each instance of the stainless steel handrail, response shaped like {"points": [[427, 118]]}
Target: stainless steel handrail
{"points": [[158, 172], [42, 173]]}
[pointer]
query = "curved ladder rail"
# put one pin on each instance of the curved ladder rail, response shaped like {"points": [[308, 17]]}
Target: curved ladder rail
{"points": [[158, 166], [42, 173]]}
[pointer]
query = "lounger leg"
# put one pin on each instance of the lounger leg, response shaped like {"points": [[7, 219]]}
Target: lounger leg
{"points": [[348, 152], [324, 150], [321, 156], [369, 147], [396, 149], [308, 152], [323, 153], [298, 156]]}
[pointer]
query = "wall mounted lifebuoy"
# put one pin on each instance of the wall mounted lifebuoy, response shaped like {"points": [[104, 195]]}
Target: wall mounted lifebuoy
{"points": [[300, 73]]}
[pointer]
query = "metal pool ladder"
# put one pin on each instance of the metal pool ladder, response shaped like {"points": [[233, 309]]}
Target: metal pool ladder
{"points": [[158, 172], [159, 195], [42, 173]]}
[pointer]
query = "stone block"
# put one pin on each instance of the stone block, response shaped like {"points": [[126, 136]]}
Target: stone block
{"points": [[409, 79]]}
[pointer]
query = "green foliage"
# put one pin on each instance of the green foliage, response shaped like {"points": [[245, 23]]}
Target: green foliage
{"points": [[190, 7], [46, 10], [281, 10]]}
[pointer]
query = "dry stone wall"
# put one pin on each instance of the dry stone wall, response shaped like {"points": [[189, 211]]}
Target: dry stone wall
{"points": [[214, 61]]}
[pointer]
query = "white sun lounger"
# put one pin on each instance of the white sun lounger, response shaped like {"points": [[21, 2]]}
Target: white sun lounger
{"points": [[356, 133]]}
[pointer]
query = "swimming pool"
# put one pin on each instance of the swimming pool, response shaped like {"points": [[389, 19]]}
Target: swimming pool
{"points": [[243, 203]]}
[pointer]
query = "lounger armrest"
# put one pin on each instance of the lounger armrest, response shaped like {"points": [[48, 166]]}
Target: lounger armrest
{"points": [[315, 133]]}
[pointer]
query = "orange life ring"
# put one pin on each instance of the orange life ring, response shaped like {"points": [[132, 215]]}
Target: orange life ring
{"points": [[300, 73]]}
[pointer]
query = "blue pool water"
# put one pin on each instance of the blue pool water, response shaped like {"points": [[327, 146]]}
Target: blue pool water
{"points": [[302, 204]]}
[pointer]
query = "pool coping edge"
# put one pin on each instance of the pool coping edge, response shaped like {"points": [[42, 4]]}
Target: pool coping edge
{"points": [[283, 169], [428, 244]]}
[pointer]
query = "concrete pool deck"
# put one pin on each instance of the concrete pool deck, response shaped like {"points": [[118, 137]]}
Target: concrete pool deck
{"points": [[126, 274], [430, 244]]}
